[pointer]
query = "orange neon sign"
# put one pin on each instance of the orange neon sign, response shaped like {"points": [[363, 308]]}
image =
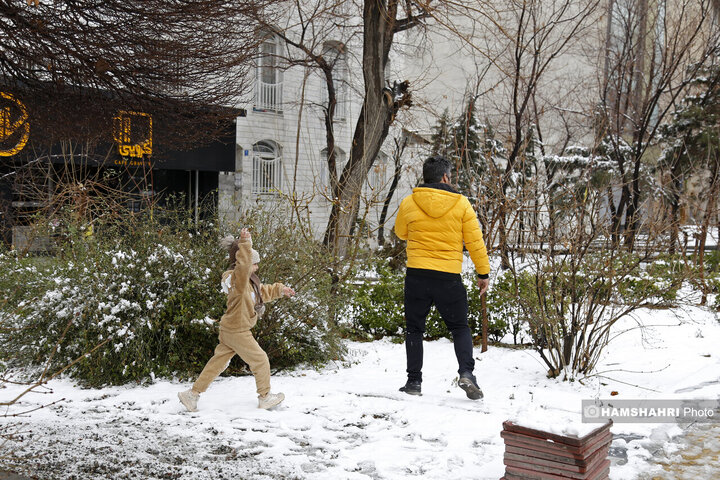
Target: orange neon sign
{"points": [[133, 133], [13, 123]]}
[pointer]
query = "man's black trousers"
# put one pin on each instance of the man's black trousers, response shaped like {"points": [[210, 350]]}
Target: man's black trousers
{"points": [[423, 288]]}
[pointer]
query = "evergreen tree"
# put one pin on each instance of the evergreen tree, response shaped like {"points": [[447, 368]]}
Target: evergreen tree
{"points": [[442, 143], [468, 152], [692, 140]]}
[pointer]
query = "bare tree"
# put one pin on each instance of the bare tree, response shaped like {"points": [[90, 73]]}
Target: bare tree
{"points": [[382, 20], [527, 46], [691, 155], [182, 57], [541, 32], [653, 53], [317, 35], [574, 291]]}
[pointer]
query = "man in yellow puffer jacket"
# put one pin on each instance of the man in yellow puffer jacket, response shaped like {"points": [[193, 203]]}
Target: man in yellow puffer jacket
{"points": [[436, 221]]}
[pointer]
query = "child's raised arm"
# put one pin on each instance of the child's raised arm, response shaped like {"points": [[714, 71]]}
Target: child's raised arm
{"points": [[243, 259]]}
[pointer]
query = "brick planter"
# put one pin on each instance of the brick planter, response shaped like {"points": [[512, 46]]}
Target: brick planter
{"points": [[532, 454]]}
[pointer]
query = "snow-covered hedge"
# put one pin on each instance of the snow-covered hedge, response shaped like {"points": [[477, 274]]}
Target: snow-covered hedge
{"points": [[150, 299]]}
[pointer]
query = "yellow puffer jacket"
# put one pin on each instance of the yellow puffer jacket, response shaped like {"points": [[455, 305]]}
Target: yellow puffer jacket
{"points": [[435, 224]]}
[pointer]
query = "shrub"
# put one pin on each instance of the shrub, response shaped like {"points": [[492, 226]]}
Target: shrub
{"points": [[377, 302], [574, 301], [302, 329], [377, 310], [506, 312], [148, 291], [658, 282], [712, 261]]}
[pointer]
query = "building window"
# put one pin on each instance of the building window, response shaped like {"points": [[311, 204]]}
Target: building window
{"points": [[334, 54], [340, 161], [267, 168], [268, 91]]}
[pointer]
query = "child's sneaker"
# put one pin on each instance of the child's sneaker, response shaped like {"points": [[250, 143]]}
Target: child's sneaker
{"points": [[468, 383], [189, 399], [270, 400]]}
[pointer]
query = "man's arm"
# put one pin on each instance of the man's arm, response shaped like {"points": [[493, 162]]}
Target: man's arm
{"points": [[473, 239], [401, 223]]}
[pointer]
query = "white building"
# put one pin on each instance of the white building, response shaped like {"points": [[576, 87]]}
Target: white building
{"points": [[281, 142]]}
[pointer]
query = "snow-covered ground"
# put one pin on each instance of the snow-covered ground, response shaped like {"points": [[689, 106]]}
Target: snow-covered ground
{"points": [[348, 421]]}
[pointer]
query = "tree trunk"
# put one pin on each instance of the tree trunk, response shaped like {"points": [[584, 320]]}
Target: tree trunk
{"points": [[329, 128], [633, 214], [616, 227], [676, 184], [378, 112], [709, 210], [503, 238], [632, 219], [608, 41], [400, 148], [639, 67]]}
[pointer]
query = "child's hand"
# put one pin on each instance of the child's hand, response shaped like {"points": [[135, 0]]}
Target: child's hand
{"points": [[245, 235], [288, 292]]}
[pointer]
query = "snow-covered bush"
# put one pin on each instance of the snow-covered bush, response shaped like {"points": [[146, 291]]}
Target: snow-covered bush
{"points": [[142, 303], [504, 309], [571, 302], [148, 293], [376, 308]]}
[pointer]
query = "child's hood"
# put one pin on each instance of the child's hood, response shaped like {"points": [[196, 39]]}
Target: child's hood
{"points": [[226, 282]]}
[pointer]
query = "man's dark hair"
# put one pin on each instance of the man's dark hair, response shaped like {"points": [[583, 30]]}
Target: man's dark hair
{"points": [[434, 168]]}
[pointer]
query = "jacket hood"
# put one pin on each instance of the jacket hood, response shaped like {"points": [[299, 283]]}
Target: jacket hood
{"points": [[435, 199]]}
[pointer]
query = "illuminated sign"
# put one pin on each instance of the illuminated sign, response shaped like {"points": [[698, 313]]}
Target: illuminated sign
{"points": [[131, 163], [133, 133], [14, 126]]}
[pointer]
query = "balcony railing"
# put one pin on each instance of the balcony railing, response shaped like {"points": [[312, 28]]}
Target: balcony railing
{"points": [[268, 97]]}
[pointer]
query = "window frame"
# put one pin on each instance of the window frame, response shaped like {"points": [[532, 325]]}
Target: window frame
{"points": [[266, 156], [269, 95]]}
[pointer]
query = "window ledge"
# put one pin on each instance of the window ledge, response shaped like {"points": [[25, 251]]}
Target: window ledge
{"points": [[267, 110]]}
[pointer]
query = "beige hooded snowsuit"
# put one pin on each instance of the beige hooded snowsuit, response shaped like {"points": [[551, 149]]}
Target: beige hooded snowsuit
{"points": [[240, 316]]}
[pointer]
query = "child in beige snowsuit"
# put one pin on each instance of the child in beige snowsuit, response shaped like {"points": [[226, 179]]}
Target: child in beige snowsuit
{"points": [[246, 298]]}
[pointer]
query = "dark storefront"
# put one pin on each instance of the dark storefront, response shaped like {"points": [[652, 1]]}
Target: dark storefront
{"points": [[137, 156]]}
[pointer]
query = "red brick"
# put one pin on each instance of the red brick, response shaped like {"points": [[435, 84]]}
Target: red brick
{"points": [[600, 472], [564, 439], [548, 446], [526, 460], [578, 460]]}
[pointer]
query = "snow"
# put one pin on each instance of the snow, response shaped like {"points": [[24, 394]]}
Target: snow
{"points": [[348, 420], [536, 418]]}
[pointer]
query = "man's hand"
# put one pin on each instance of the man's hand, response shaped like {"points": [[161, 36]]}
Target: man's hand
{"points": [[288, 292], [245, 235], [483, 284]]}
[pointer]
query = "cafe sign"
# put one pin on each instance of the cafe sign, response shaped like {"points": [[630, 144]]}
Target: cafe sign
{"points": [[14, 125], [133, 133]]}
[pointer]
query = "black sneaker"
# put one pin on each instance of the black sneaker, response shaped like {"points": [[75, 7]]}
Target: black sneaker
{"points": [[468, 383], [412, 387]]}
